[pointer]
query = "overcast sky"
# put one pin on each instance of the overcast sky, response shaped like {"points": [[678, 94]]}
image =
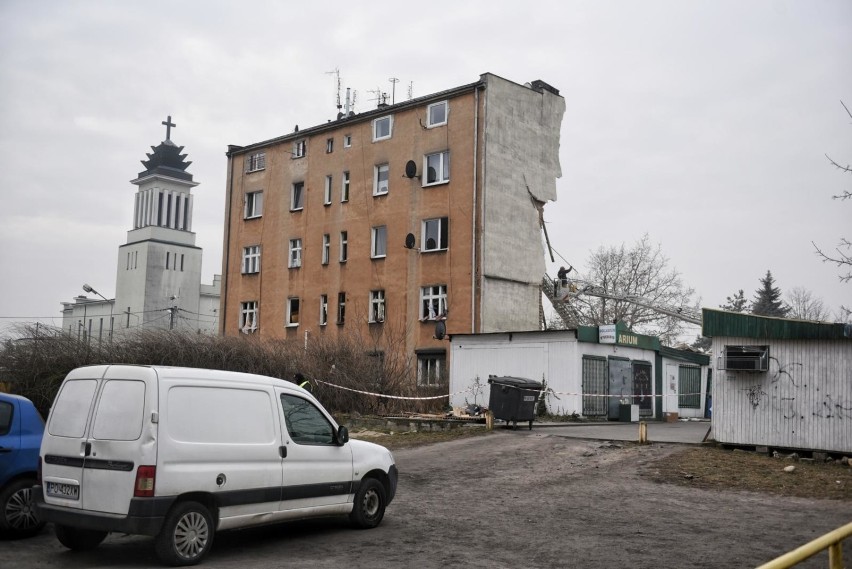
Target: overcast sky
{"points": [[704, 124]]}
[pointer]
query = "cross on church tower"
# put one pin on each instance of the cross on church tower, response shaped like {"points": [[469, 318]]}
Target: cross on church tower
{"points": [[169, 124]]}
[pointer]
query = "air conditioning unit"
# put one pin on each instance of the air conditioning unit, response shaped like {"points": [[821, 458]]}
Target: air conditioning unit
{"points": [[745, 358]]}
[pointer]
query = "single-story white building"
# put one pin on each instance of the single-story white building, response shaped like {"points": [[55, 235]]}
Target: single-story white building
{"points": [[780, 383], [589, 371]]}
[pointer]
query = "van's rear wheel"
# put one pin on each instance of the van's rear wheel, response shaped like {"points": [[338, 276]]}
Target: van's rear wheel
{"points": [[370, 502], [187, 535], [77, 539]]}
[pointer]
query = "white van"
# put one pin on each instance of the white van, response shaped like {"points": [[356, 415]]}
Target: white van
{"points": [[181, 453]]}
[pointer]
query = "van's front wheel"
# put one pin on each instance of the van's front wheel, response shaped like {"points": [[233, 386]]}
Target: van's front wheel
{"points": [[77, 539], [187, 535], [370, 502]]}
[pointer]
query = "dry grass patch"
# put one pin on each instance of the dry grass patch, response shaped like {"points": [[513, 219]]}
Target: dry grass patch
{"points": [[717, 468]]}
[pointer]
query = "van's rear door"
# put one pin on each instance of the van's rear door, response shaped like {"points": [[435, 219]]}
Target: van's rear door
{"points": [[97, 436], [64, 446]]}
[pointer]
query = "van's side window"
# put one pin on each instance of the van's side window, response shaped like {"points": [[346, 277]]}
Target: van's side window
{"points": [[305, 423]]}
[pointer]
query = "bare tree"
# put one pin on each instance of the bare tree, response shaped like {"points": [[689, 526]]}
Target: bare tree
{"points": [[804, 305], [640, 271], [842, 255]]}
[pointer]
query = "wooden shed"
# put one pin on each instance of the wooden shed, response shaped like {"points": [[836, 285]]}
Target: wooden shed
{"points": [[780, 383]]}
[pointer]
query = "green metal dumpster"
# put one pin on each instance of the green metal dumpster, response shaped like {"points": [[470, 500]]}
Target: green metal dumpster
{"points": [[513, 399]]}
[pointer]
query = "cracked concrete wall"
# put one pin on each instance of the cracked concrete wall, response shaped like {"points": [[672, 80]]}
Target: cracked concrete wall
{"points": [[522, 127]]}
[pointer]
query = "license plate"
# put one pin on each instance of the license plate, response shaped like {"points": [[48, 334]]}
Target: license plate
{"points": [[62, 490]]}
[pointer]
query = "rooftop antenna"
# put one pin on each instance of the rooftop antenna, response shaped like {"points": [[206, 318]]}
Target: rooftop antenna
{"points": [[378, 95], [393, 81], [410, 90], [336, 73]]}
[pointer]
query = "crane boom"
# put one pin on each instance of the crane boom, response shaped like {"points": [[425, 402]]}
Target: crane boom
{"points": [[685, 314]]}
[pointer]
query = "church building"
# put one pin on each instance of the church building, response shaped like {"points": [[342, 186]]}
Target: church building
{"points": [[158, 282]]}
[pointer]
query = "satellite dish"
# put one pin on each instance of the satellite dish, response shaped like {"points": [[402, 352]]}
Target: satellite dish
{"points": [[411, 169], [431, 175], [440, 330], [409, 241]]}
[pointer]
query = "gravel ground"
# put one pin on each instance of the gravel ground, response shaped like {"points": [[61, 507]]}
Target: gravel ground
{"points": [[518, 499]]}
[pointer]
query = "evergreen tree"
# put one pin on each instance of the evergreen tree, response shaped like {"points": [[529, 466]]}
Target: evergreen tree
{"points": [[735, 303], [767, 299]]}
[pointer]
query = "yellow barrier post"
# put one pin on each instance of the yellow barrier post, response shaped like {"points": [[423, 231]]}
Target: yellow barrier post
{"points": [[643, 432], [832, 541]]}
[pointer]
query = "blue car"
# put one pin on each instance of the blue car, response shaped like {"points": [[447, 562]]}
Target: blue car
{"points": [[21, 430]]}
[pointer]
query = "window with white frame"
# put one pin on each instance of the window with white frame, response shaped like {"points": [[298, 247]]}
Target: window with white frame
{"points": [[248, 317], [435, 236], [326, 248], [329, 145], [379, 242], [433, 302], [382, 128], [344, 188], [431, 369], [295, 258], [292, 311], [341, 307], [377, 306], [256, 161], [254, 204], [344, 246], [437, 168], [347, 140], [380, 179], [436, 114], [326, 194], [323, 315], [251, 259], [297, 196], [300, 148]]}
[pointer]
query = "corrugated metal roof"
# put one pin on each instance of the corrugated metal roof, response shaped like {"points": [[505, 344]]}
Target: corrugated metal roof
{"points": [[737, 324]]}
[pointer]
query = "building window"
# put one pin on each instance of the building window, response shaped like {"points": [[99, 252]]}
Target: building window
{"points": [[329, 145], [300, 148], [377, 306], [293, 311], [380, 179], [297, 196], [437, 168], [344, 246], [347, 140], [436, 114], [379, 242], [344, 188], [251, 259], [248, 317], [181, 262], [168, 256], [431, 369], [254, 204], [435, 235], [323, 317], [326, 248], [326, 195], [295, 254], [382, 128], [433, 302], [255, 162], [341, 307]]}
